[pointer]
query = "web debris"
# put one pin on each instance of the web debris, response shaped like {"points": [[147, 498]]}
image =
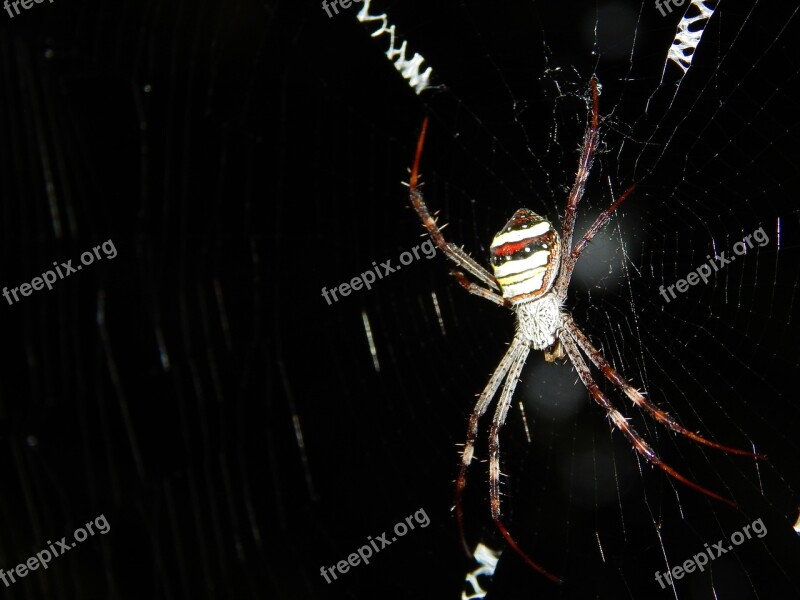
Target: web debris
{"points": [[372, 348], [408, 68]]}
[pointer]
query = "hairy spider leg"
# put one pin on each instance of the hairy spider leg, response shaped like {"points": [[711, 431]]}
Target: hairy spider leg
{"points": [[638, 398], [494, 459], [622, 424], [584, 166], [450, 250], [514, 351]]}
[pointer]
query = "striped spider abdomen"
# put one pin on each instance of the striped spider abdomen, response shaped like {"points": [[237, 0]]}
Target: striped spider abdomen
{"points": [[525, 256]]}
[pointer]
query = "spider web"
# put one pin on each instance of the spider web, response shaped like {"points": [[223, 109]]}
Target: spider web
{"points": [[239, 432]]}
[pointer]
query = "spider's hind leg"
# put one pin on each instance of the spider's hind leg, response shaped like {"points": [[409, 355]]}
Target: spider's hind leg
{"points": [[622, 424], [513, 353], [638, 398], [494, 458]]}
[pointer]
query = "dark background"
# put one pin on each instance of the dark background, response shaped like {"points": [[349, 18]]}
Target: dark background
{"points": [[236, 431]]}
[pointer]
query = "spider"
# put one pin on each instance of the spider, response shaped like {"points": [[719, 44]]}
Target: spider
{"points": [[532, 265]]}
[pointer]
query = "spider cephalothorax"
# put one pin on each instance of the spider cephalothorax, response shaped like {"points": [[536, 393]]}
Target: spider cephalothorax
{"points": [[533, 266]]}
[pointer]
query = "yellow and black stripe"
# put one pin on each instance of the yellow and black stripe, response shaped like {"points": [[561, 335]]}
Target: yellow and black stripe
{"points": [[525, 256]]}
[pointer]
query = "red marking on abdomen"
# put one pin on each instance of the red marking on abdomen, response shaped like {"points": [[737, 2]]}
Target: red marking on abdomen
{"points": [[511, 247]]}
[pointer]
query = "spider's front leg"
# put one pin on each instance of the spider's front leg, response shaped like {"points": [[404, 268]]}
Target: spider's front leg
{"points": [[570, 256], [474, 288], [450, 250], [588, 148], [596, 226]]}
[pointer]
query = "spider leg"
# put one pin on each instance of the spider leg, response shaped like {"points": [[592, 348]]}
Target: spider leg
{"points": [[450, 250], [494, 458], [516, 348], [584, 166], [637, 397], [568, 260], [622, 424], [474, 288], [572, 258]]}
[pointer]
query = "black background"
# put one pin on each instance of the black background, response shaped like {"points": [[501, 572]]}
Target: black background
{"points": [[243, 155]]}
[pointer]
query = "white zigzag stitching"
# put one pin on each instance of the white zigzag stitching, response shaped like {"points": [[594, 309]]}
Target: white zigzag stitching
{"points": [[688, 40], [409, 69]]}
